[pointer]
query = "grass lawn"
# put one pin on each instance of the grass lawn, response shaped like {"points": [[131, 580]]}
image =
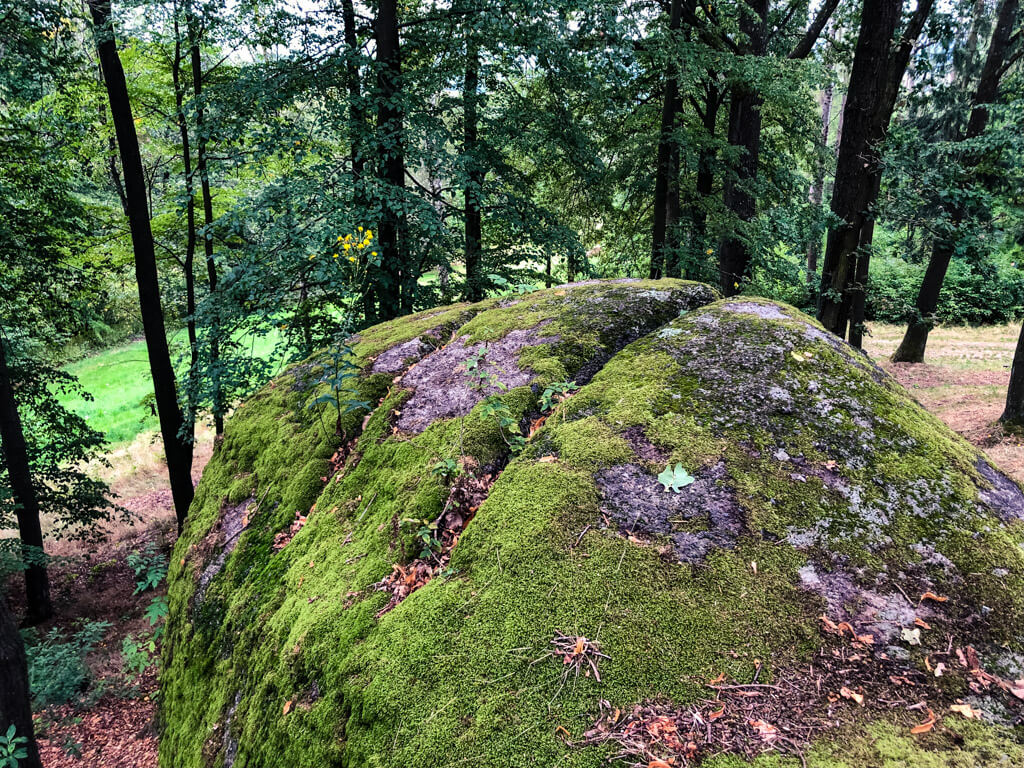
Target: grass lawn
{"points": [[118, 379]]}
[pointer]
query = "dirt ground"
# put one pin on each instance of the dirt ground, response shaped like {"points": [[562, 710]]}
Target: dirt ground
{"points": [[963, 382]]}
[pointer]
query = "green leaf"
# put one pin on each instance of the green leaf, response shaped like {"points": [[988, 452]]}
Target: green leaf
{"points": [[675, 479]]}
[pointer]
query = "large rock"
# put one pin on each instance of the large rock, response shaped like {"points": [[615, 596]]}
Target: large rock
{"points": [[424, 590]]}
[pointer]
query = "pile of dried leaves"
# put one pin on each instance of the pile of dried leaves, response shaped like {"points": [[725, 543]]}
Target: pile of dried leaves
{"points": [[787, 714], [467, 493]]}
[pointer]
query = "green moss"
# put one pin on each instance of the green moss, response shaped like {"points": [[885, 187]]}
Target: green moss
{"points": [[821, 446]]}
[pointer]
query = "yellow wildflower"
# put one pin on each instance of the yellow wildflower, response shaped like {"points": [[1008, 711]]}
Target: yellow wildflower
{"points": [[335, 255], [373, 253], [346, 246], [352, 258], [710, 251]]}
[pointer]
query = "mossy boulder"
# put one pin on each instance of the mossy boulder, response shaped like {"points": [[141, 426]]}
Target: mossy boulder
{"points": [[463, 578]]}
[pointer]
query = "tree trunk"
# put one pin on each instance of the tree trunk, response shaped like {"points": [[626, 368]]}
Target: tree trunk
{"points": [[356, 135], [15, 700], [194, 33], [875, 76], [188, 265], [23, 492], [816, 194], [177, 446], [915, 340], [734, 254], [475, 176], [705, 167], [393, 284], [1013, 413], [668, 155]]}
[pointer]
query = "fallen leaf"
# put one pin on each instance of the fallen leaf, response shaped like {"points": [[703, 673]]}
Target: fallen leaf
{"points": [[287, 706], [927, 725], [715, 715], [562, 730], [912, 636], [766, 731], [966, 710], [658, 764], [933, 596], [922, 623], [717, 680], [940, 668], [846, 693], [547, 459], [866, 639]]}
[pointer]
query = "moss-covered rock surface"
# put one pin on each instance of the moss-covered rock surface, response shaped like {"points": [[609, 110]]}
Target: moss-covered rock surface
{"points": [[730, 538]]}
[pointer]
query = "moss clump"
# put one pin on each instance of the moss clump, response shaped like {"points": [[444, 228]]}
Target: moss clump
{"points": [[816, 478]]}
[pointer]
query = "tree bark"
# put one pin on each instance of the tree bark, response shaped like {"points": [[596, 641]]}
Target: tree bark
{"points": [[23, 492], [877, 69], [188, 265], [667, 166], [177, 445], [734, 255], [705, 167], [1013, 412], [816, 194], [393, 287], [475, 175], [15, 699], [915, 340], [195, 54]]}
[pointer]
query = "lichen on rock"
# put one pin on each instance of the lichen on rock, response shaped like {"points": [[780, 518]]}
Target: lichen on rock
{"points": [[821, 489]]}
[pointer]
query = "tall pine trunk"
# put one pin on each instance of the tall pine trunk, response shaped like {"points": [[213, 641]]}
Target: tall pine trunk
{"points": [[915, 340], [394, 285], [15, 701], [23, 492], [177, 444], [667, 168]]}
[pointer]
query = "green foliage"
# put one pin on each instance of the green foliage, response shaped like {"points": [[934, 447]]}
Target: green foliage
{"points": [[554, 393], [12, 748], [57, 671], [339, 376], [137, 654], [446, 468], [149, 566], [675, 478]]}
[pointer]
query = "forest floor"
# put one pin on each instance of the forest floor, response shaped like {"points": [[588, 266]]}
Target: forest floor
{"points": [[112, 722]]}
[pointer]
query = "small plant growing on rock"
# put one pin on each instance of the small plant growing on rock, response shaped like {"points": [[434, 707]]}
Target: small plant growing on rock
{"points": [[555, 393], [425, 533], [337, 376], [446, 469]]}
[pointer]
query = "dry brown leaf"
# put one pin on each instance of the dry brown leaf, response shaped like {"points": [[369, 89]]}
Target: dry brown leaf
{"points": [[922, 623], [547, 459], [966, 710], [846, 693], [766, 731], [717, 680], [933, 596], [562, 730], [656, 763], [927, 725], [287, 706], [715, 715]]}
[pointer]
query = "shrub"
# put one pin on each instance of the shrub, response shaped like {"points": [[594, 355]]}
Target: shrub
{"points": [[974, 294], [57, 671]]}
